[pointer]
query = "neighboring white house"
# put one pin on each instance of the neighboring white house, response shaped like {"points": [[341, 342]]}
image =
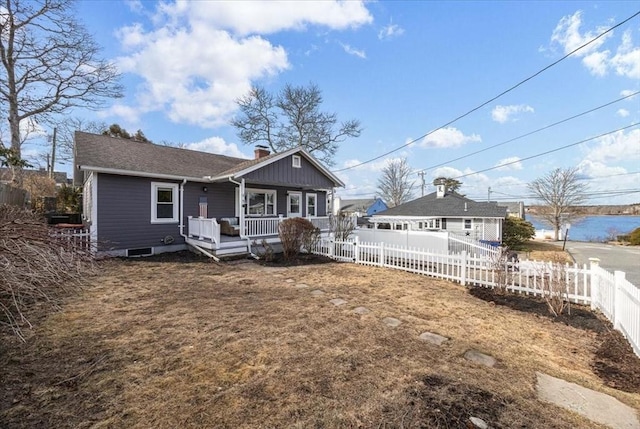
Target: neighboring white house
{"points": [[447, 212]]}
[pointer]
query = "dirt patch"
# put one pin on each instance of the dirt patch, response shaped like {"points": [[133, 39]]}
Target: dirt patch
{"points": [[189, 343], [545, 251], [616, 364], [614, 361], [278, 260]]}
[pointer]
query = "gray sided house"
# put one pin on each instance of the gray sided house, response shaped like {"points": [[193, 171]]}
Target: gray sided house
{"points": [[143, 199], [446, 212]]}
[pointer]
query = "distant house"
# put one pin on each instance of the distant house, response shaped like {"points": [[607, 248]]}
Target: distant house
{"points": [[514, 209], [142, 199], [448, 212], [359, 207]]}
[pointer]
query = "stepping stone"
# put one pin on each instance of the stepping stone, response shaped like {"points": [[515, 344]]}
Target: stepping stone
{"points": [[317, 292], [338, 302], [301, 286], [432, 338], [595, 406], [391, 322], [477, 422], [361, 310], [481, 358], [290, 280]]}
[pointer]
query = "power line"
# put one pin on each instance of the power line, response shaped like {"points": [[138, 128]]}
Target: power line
{"points": [[522, 82], [533, 132], [548, 151]]}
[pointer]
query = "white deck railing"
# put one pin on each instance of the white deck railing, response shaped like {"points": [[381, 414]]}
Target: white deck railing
{"points": [[617, 298], [204, 229], [261, 226]]}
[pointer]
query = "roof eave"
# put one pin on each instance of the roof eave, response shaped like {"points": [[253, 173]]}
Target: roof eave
{"points": [[121, 172]]}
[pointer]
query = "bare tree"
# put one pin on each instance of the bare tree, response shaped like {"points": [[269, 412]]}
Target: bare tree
{"points": [[66, 131], [395, 185], [560, 191], [292, 118], [50, 63]]}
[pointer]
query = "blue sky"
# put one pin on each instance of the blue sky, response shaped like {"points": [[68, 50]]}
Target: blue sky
{"points": [[404, 69]]}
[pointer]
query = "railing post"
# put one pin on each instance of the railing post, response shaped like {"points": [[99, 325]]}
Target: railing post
{"points": [[189, 225], [595, 282], [619, 277], [463, 268]]}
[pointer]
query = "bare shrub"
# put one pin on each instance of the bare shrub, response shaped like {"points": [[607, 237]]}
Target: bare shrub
{"points": [[295, 233], [37, 269], [341, 226], [266, 252], [554, 286], [503, 263]]}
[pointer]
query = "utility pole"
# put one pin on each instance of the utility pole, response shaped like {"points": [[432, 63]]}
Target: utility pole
{"points": [[53, 153], [489, 194], [421, 174]]}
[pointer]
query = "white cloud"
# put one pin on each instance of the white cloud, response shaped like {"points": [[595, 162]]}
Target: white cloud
{"points": [[353, 51], [375, 166], [616, 147], [448, 137], [628, 92], [623, 113], [511, 163], [199, 57], [244, 18], [626, 61], [503, 114], [216, 145], [596, 169], [390, 31]]}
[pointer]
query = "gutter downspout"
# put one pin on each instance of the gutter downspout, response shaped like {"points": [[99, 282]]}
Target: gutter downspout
{"points": [[182, 234], [241, 197]]}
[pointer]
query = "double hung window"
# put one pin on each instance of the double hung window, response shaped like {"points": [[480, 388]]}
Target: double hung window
{"points": [[164, 202], [261, 202]]}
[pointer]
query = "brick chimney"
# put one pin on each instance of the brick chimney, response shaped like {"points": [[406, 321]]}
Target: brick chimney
{"points": [[261, 151]]}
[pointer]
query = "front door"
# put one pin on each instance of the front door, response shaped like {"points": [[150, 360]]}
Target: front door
{"points": [[294, 204]]}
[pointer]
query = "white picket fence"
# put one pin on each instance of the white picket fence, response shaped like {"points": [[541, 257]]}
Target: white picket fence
{"points": [[618, 299]]}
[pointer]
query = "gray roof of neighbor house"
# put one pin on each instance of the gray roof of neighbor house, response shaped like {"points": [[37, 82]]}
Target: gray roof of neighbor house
{"points": [[120, 156], [356, 204], [451, 205]]}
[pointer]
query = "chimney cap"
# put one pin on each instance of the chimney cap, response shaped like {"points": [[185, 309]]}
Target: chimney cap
{"points": [[261, 146]]}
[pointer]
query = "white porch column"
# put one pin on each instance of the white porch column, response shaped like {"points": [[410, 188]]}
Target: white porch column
{"points": [[242, 201]]}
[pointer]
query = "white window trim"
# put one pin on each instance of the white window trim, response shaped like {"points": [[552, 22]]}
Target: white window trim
{"points": [[154, 201], [296, 161], [289, 213], [247, 191], [315, 205]]}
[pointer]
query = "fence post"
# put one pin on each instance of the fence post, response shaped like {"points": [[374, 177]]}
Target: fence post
{"points": [[463, 268], [595, 282], [381, 261], [356, 250], [332, 245], [619, 277]]}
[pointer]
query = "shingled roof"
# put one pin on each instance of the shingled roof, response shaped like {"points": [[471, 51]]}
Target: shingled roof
{"points": [[451, 205], [95, 152]]}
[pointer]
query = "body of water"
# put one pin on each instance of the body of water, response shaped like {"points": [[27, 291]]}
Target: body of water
{"points": [[594, 228]]}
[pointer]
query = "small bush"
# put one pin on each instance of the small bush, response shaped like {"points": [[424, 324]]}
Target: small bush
{"points": [[634, 237], [516, 232], [295, 234]]}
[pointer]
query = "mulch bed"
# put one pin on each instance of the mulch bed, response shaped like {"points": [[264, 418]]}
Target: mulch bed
{"points": [[614, 362]]}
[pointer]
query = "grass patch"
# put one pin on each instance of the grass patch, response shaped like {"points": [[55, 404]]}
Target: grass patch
{"points": [[188, 343]]}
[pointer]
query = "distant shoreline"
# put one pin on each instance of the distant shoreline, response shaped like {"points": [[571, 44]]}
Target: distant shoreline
{"points": [[604, 210]]}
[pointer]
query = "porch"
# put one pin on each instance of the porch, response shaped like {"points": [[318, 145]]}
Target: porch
{"points": [[208, 233]]}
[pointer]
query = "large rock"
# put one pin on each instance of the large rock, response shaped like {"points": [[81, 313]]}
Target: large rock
{"points": [[481, 358], [432, 338]]}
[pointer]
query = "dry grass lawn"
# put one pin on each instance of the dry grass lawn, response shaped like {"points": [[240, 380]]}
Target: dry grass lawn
{"points": [[166, 343]]}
